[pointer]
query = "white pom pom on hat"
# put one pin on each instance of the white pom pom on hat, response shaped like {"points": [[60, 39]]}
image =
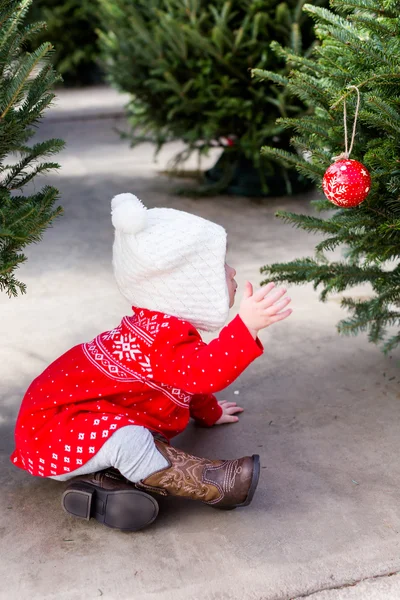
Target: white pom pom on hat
{"points": [[129, 214]]}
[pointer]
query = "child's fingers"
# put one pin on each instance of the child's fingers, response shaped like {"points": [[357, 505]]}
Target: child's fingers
{"points": [[231, 410], [282, 315], [272, 297], [230, 419], [265, 289], [248, 290], [277, 307]]}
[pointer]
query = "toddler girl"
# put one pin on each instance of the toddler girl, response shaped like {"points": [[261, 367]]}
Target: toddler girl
{"points": [[102, 415]]}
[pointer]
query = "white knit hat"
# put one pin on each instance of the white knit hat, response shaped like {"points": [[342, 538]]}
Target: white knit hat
{"points": [[170, 261]]}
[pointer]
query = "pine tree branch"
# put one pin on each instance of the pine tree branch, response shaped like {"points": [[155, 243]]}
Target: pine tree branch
{"points": [[22, 77], [262, 75], [25, 81], [354, 5], [391, 344], [19, 11], [389, 76]]}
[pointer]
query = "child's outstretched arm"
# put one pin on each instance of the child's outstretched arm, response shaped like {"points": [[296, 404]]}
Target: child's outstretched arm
{"points": [[180, 358]]}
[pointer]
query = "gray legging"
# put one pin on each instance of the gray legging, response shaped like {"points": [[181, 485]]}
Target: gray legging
{"points": [[130, 449]]}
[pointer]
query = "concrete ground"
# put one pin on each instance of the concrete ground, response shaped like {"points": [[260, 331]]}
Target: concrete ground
{"points": [[321, 410]]}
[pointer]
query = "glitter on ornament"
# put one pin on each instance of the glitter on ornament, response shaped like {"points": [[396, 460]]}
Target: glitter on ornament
{"points": [[346, 183]]}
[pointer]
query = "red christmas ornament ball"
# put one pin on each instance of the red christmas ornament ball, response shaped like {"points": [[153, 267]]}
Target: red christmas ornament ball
{"points": [[346, 183]]}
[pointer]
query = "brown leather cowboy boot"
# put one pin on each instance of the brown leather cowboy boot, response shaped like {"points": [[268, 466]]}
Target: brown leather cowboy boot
{"points": [[111, 499], [219, 483]]}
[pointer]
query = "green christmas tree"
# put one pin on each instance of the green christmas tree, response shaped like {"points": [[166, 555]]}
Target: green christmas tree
{"points": [[71, 27], [26, 79], [360, 46], [187, 65]]}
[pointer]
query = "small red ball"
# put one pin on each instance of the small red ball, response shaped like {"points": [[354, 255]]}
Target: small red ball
{"points": [[346, 183]]}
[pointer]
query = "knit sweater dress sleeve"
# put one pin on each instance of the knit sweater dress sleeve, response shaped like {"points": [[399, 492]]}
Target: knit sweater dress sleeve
{"points": [[180, 358], [204, 409]]}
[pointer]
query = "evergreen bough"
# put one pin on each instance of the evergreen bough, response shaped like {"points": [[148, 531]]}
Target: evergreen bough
{"points": [[360, 46], [26, 79], [187, 65]]}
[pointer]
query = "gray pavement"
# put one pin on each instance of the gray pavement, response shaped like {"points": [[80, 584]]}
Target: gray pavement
{"points": [[321, 410]]}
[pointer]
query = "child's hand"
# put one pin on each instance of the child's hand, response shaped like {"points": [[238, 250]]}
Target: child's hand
{"points": [[229, 409], [263, 307]]}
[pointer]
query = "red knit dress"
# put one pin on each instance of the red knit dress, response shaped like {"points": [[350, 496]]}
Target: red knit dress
{"points": [[152, 370]]}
